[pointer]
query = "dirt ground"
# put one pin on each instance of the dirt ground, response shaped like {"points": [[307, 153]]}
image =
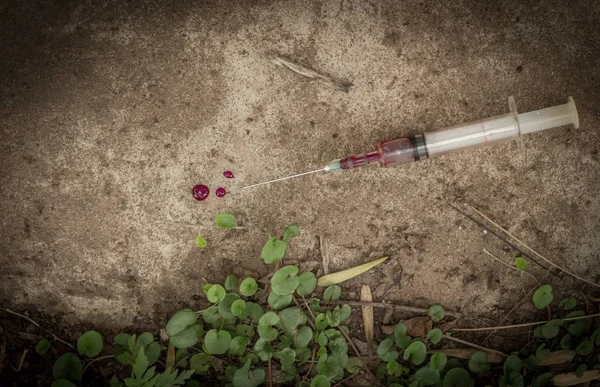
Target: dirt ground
{"points": [[112, 111]]}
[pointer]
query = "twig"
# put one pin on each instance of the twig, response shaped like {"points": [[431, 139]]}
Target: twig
{"points": [[404, 308], [308, 308], [533, 251], [93, 361], [327, 81], [355, 349], [270, 374], [39, 326], [508, 314], [483, 226], [510, 266], [341, 383], [18, 369], [475, 345], [312, 362], [520, 325], [310, 322]]}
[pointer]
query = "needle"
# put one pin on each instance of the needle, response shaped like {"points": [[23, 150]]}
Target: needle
{"points": [[285, 178]]}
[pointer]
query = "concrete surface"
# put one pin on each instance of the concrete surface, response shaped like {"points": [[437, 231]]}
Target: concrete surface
{"points": [[111, 111]]}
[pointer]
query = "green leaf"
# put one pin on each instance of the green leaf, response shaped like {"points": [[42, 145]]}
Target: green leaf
{"points": [[238, 345], [200, 363], [269, 319], [244, 378], [286, 356], [153, 352], [201, 242], [253, 310], [238, 307], [63, 383], [512, 364], [479, 362], [263, 349], [211, 315], [438, 361], [393, 367], [285, 280], [595, 337], [417, 351], [225, 305], [267, 333], [550, 331], [122, 339], [217, 341], [231, 282], [458, 377], [303, 337], [68, 366], [354, 365], [520, 263], [332, 293], [542, 352], [273, 251], [307, 284], [225, 221], [568, 303], [333, 318], [543, 296], [584, 348], [566, 342], [290, 232], [435, 336], [248, 287], [141, 364], [277, 302], [427, 376], [42, 346], [90, 344], [291, 318], [320, 381], [180, 321], [400, 336], [328, 366], [215, 293], [320, 322], [245, 330], [577, 327], [542, 380], [437, 313], [385, 351], [531, 362], [345, 312], [187, 338], [338, 346], [580, 370]]}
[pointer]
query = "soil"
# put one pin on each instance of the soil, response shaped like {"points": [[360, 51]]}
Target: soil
{"points": [[111, 111]]}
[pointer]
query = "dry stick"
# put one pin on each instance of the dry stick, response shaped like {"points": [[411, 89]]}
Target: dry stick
{"points": [[404, 308], [507, 265], [475, 345], [520, 325], [270, 374], [18, 369], [341, 383], [312, 362], [494, 233], [355, 349], [533, 251], [39, 326], [310, 322]]}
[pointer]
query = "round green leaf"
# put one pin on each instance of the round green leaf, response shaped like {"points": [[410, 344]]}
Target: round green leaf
{"points": [[512, 364], [551, 328], [385, 351], [568, 303], [520, 263], [278, 302], [253, 310], [345, 312], [543, 296], [200, 363], [63, 383], [566, 342], [238, 307], [435, 336], [231, 282], [479, 362], [577, 327], [580, 370], [90, 344], [201, 242], [68, 366], [285, 280], [328, 366], [248, 287], [320, 322], [263, 349], [42, 346], [188, 337], [225, 221], [153, 351], [180, 320], [273, 251], [417, 351], [320, 381], [244, 378], [238, 345], [211, 315], [542, 380], [427, 376], [269, 319], [217, 342], [542, 352], [437, 313], [438, 362], [267, 333], [215, 293], [307, 284], [332, 293], [458, 377], [290, 232], [400, 336], [303, 337], [286, 356], [584, 348], [122, 339], [225, 305]]}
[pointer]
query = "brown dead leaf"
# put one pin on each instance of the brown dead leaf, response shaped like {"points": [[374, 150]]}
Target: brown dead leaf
{"points": [[557, 357], [387, 329], [418, 326], [571, 379]]}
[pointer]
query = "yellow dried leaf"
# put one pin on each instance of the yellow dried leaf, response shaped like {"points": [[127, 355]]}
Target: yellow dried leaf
{"points": [[341, 276]]}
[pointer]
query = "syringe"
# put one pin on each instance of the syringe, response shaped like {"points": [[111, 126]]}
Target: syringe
{"points": [[509, 126]]}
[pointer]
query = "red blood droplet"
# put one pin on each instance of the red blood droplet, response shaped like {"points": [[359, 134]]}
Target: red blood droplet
{"points": [[220, 192], [228, 174], [200, 192]]}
